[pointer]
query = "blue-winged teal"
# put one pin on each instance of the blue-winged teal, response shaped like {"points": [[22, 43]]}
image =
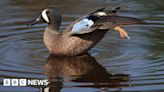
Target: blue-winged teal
{"points": [[84, 33]]}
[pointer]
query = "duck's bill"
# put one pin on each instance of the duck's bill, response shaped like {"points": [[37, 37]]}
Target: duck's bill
{"points": [[35, 21], [122, 32]]}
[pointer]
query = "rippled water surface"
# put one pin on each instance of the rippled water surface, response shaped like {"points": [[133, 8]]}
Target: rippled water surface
{"points": [[114, 64]]}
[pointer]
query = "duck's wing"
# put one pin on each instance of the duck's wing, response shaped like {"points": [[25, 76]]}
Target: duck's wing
{"points": [[108, 12], [111, 20], [103, 19], [108, 22], [114, 11], [98, 10], [69, 28], [91, 13]]}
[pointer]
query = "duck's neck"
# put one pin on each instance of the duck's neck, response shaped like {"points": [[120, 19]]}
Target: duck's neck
{"points": [[50, 36], [54, 23], [53, 27]]}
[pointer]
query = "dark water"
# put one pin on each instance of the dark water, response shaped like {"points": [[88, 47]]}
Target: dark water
{"points": [[115, 64]]}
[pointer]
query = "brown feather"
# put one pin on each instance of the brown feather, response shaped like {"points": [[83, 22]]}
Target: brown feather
{"points": [[108, 22]]}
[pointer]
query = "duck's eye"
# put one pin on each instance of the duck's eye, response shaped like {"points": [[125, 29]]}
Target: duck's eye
{"points": [[47, 12], [87, 25]]}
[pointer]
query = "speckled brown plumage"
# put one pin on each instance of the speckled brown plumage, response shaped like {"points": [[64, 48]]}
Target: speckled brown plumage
{"points": [[67, 45]]}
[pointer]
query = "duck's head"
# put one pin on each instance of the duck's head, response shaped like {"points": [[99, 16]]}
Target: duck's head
{"points": [[50, 16]]}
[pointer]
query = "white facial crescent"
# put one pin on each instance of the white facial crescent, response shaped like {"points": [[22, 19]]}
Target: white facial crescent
{"points": [[44, 15]]}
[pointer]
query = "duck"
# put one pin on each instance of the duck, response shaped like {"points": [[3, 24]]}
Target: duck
{"points": [[84, 33]]}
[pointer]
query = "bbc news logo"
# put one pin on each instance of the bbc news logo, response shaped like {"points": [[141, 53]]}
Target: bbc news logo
{"points": [[25, 82]]}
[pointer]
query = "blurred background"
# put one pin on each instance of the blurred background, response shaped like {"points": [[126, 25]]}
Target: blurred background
{"points": [[23, 54]]}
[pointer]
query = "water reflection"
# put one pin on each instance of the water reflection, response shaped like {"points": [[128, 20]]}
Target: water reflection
{"points": [[84, 70]]}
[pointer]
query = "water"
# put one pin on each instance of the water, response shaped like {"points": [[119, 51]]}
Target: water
{"points": [[114, 64]]}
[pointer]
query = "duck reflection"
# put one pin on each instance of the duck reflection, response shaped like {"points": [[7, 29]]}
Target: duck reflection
{"points": [[84, 70]]}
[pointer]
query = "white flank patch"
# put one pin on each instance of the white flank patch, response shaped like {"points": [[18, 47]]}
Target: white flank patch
{"points": [[101, 14], [44, 15], [82, 26]]}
